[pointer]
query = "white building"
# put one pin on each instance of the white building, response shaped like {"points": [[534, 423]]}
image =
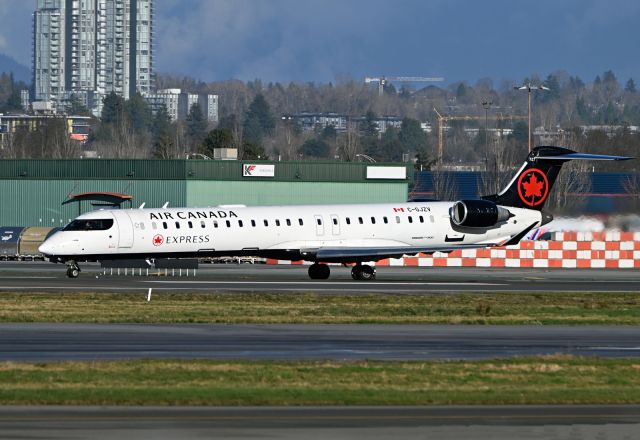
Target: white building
{"points": [[49, 49], [178, 104], [90, 48]]}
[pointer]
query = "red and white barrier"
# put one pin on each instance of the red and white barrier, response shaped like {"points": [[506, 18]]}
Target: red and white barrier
{"points": [[582, 250]]}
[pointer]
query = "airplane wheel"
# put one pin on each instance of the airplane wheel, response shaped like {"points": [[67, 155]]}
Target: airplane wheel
{"points": [[73, 272], [319, 271], [363, 272]]}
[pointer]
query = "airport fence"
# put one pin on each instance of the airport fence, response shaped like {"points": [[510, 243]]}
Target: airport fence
{"points": [[580, 250]]}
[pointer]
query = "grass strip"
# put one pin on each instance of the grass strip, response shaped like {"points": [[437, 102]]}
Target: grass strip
{"points": [[541, 380], [495, 308]]}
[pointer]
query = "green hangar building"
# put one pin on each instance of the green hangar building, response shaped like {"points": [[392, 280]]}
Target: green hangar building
{"points": [[32, 192]]}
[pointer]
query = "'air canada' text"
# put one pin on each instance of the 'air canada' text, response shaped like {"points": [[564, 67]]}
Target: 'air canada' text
{"points": [[186, 215]]}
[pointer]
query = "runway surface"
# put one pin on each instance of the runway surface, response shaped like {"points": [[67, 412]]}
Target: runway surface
{"points": [[53, 342], [441, 422], [30, 276]]}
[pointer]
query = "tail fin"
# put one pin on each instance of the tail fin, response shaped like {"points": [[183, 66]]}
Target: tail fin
{"points": [[531, 185]]}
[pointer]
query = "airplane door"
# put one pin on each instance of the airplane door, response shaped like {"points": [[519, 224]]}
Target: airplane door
{"points": [[335, 224], [125, 229], [319, 225]]}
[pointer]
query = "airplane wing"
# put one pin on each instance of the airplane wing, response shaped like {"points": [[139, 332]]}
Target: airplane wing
{"points": [[340, 254], [378, 253]]}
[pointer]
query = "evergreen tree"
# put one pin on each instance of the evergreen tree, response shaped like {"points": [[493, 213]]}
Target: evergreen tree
{"points": [[217, 138], [112, 109], [139, 113], [520, 133], [581, 109], [76, 107], [253, 151], [370, 128], [630, 86], [391, 148], [196, 126], [553, 85], [315, 147], [411, 135], [259, 121]]}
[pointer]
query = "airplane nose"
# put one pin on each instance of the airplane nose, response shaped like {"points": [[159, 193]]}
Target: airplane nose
{"points": [[45, 248]]}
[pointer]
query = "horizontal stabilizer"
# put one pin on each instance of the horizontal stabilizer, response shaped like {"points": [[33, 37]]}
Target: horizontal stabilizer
{"points": [[582, 156]]}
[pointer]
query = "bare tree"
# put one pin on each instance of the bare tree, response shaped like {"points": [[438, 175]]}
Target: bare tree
{"points": [[444, 184], [632, 187], [349, 143]]}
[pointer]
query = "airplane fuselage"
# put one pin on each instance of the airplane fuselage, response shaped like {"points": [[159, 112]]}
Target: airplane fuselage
{"points": [[287, 232]]}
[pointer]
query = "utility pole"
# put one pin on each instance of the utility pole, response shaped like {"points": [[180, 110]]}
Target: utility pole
{"points": [[486, 104], [528, 87]]}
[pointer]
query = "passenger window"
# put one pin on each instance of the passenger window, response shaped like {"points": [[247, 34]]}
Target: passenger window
{"points": [[319, 222], [164, 225], [240, 223], [202, 224], [215, 224], [266, 223], [300, 221], [177, 225], [432, 219], [421, 219], [277, 222], [142, 226], [348, 220], [373, 220], [154, 225], [253, 223], [190, 224], [410, 219], [335, 221], [288, 222], [397, 219], [228, 223], [360, 220], [385, 220]]}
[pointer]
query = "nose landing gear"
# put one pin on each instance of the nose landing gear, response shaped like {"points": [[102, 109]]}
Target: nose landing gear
{"points": [[73, 270]]}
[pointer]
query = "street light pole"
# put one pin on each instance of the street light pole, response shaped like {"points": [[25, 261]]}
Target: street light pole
{"points": [[528, 87], [486, 105]]}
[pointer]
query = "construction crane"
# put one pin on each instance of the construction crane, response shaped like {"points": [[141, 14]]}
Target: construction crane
{"points": [[383, 80], [442, 120]]}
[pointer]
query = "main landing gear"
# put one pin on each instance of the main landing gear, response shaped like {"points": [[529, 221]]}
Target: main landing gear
{"points": [[73, 270], [363, 272], [360, 272]]}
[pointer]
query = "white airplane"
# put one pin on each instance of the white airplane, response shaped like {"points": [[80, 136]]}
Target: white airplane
{"points": [[318, 233]]}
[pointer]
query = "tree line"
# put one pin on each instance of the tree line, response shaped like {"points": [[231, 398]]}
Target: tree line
{"points": [[252, 120]]}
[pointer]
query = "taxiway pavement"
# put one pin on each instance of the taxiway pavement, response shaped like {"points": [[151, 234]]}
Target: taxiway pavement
{"points": [[442, 422], [58, 342], [38, 276]]}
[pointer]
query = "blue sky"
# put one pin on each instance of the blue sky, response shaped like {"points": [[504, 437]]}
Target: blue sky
{"points": [[317, 40]]}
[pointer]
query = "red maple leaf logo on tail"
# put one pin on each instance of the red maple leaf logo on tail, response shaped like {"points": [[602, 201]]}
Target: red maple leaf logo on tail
{"points": [[533, 188]]}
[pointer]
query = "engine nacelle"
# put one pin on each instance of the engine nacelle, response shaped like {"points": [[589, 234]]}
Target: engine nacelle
{"points": [[478, 213]]}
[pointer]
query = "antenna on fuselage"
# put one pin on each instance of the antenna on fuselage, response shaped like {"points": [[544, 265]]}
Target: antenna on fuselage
{"points": [[142, 206], [165, 205]]}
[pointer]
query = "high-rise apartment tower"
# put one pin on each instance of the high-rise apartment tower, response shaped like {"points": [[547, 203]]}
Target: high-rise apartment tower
{"points": [[89, 48]]}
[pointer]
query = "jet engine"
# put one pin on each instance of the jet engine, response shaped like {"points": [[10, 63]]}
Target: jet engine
{"points": [[478, 213]]}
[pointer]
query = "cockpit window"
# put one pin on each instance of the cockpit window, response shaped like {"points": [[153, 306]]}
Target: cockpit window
{"points": [[89, 225]]}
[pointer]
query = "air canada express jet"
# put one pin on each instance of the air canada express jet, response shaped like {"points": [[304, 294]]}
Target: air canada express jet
{"points": [[319, 233]]}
